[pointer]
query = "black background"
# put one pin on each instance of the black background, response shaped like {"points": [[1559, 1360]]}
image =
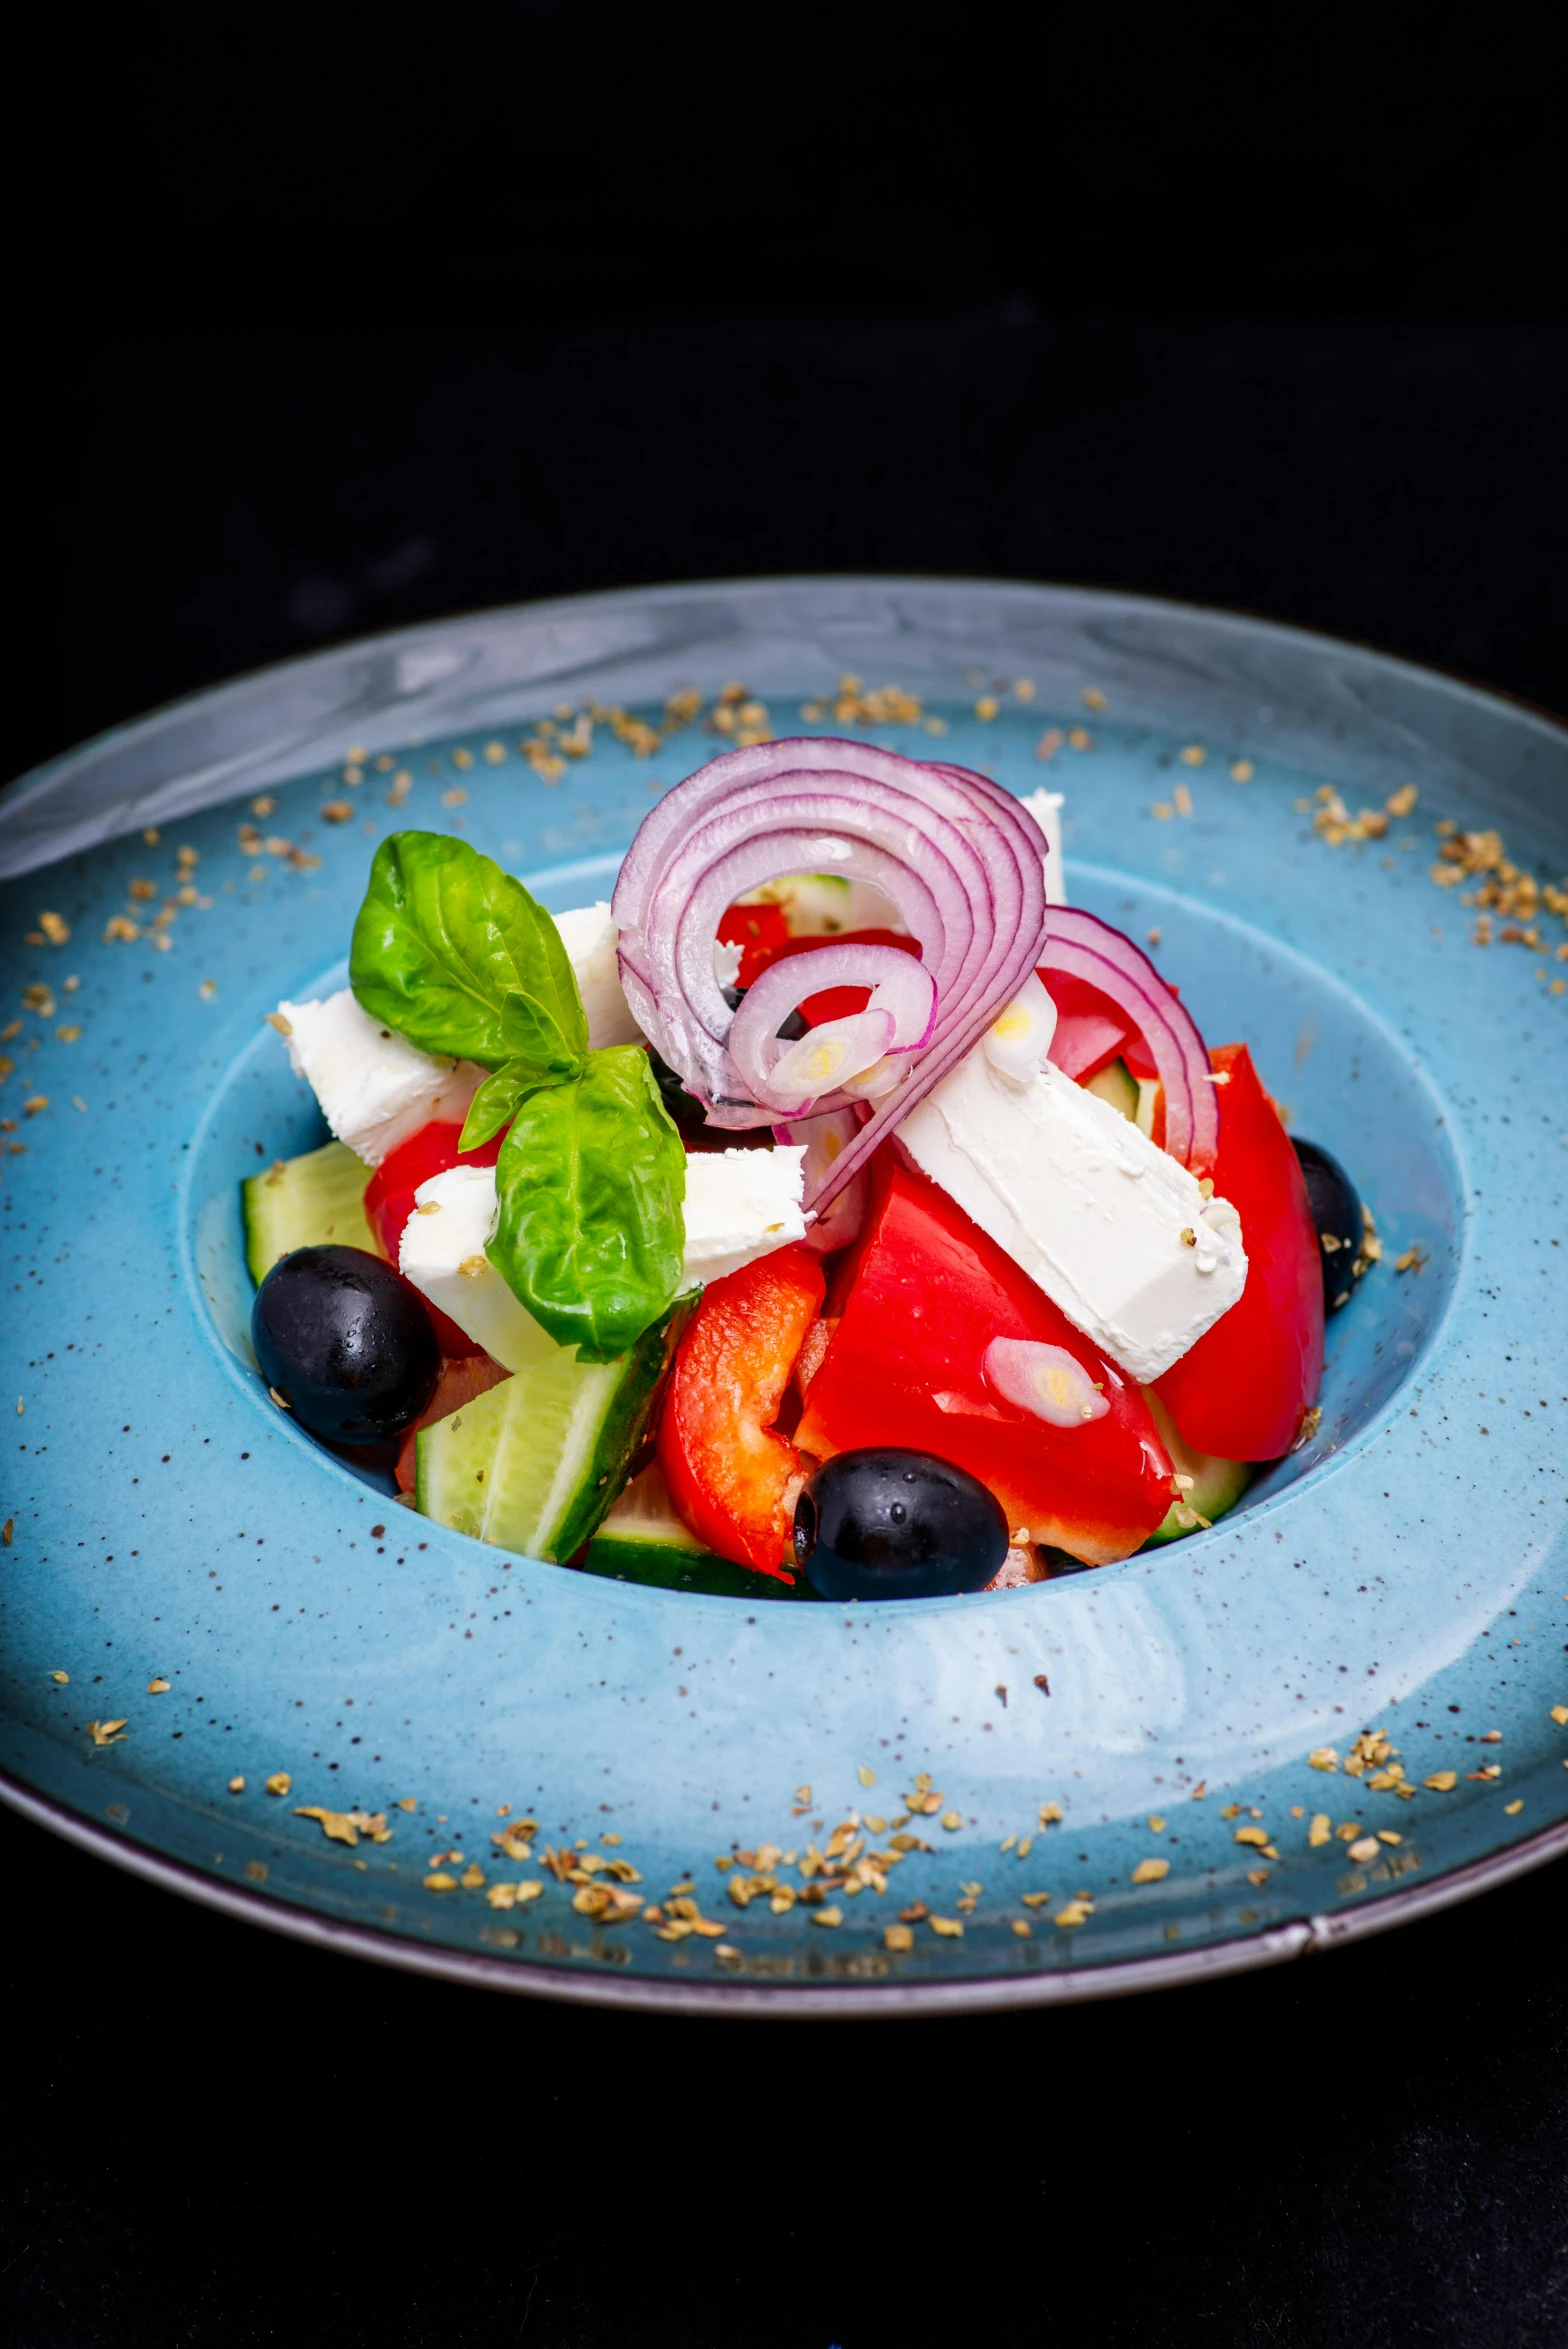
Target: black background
{"points": [[329, 321]]}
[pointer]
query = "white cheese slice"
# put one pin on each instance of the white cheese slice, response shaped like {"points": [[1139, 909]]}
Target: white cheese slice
{"points": [[1115, 1232], [443, 1254], [1046, 809], [374, 1089], [589, 936], [740, 1204]]}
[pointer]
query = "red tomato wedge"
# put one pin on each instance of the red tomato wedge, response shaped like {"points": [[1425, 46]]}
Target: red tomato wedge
{"points": [[389, 1200], [919, 1302], [1241, 1390], [1090, 1030], [728, 1474]]}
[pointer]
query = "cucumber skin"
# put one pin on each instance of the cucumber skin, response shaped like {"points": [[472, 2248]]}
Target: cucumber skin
{"points": [[1217, 1484], [626, 1426], [311, 1201], [661, 1566], [1217, 1487], [1116, 1085], [621, 1435]]}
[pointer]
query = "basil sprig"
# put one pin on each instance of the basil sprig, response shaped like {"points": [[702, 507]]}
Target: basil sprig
{"points": [[454, 954]]}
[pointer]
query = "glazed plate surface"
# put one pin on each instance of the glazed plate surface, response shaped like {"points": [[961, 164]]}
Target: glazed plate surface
{"points": [[1402, 1580]]}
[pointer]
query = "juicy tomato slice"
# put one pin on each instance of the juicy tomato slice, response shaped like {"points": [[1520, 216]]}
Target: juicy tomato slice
{"points": [[1091, 1031], [1241, 1390], [729, 1475], [389, 1200], [918, 1303]]}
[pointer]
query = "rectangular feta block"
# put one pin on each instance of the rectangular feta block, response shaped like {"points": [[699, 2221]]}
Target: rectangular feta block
{"points": [[1046, 809], [1115, 1232], [374, 1089], [740, 1204], [443, 1254], [589, 936]]}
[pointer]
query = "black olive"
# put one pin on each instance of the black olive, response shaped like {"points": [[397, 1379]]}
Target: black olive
{"points": [[1336, 1218], [890, 1524], [686, 1110], [346, 1342]]}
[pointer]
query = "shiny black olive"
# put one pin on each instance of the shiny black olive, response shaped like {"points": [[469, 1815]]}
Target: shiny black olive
{"points": [[890, 1524], [1336, 1218], [346, 1342], [686, 1110]]}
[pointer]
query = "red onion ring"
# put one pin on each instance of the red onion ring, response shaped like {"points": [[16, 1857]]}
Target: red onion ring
{"points": [[901, 988], [959, 857], [1084, 947]]}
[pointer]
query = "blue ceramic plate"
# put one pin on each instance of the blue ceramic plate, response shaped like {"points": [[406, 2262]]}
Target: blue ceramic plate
{"points": [[1401, 1581]]}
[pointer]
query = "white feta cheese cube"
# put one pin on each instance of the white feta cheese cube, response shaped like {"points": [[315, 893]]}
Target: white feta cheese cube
{"points": [[443, 1254], [589, 936], [374, 1089], [1116, 1232], [740, 1204], [1046, 809]]}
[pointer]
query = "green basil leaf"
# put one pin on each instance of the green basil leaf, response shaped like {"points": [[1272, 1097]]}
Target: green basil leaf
{"points": [[496, 1101], [592, 1180], [446, 943]]}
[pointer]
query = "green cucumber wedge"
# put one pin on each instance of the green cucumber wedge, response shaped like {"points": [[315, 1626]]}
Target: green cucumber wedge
{"points": [[642, 1540], [1217, 1485], [1116, 1084], [536, 1462], [303, 1203]]}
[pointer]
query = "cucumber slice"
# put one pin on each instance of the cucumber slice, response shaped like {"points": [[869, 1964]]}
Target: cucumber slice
{"points": [[303, 1203], [1217, 1485], [642, 1540], [1116, 1084], [645, 1515], [534, 1464], [695, 1570]]}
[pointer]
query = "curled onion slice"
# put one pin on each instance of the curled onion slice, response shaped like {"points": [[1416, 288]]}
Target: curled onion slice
{"points": [[898, 1018], [826, 1138], [958, 856], [1087, 948]]}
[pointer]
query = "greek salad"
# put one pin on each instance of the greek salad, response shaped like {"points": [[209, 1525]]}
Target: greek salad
{"points": [[837, 1213]]}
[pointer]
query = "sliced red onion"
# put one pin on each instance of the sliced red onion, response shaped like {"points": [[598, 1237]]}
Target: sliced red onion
{"points": [[825, 1139], [954, 852], [1086, 948], [1045, 1381], [1019, 1038], [813, 1069], [899, 1018]]}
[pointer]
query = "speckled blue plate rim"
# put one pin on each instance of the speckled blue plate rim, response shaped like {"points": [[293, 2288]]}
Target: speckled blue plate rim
{"points": [[1297, 1937], [1166, 636]]}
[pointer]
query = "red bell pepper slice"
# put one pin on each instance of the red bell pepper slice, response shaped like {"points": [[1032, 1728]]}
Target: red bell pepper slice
{"points": [[759, 931], [919, 1302], [1241, 1390], [389, 1200], [731, 1478]]}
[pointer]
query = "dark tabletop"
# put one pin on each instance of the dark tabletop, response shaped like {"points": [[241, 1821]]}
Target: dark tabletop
{"points": [[365, 324]]}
